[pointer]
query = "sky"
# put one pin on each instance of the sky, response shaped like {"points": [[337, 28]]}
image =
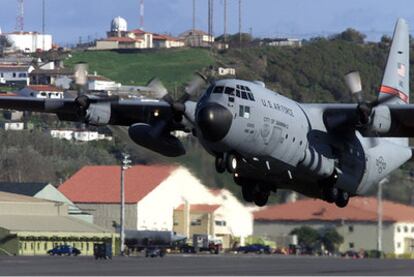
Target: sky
{"points": [[67, 20]]}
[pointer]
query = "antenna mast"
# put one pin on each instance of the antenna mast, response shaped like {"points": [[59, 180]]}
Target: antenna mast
{"points": [[141, 15], [194, 14], [225, 22], [20, 16]]}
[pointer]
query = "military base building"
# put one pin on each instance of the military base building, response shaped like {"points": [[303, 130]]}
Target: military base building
{"points": [[159, 197], [357, 223], [32, 226]]}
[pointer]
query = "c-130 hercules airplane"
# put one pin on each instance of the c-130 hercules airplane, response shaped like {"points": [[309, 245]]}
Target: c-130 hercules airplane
{"points": [[265, 140]]}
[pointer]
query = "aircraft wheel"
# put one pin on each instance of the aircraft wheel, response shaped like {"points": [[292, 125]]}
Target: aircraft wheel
{"points": [[247, 192], [231, 163], [261, 198], [220, 164], [331, 194], [343, 199]]}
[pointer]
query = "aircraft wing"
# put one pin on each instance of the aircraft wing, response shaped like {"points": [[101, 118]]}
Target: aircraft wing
{"points": [[343, 117], [113, 111]]}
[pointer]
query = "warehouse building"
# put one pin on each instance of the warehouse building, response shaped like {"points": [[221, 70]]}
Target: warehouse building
{"points": [[31, 226], [357, 223], [154, 197]]}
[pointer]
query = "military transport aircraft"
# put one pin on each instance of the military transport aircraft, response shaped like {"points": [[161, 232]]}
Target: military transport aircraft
{"points": [[265, 140]]}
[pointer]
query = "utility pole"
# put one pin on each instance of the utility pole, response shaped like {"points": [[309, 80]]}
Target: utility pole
{"points": [[194, 15], [141, 15], [125, 165], [43, 24], [379, 214], [225, 22], [240, 24]]}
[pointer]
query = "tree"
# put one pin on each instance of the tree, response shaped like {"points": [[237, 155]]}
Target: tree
{"points": [[4, 43], [351, 35], [307, 236], [331, 239]]}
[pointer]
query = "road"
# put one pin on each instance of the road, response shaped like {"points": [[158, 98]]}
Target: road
{"points": [[203, 265]]}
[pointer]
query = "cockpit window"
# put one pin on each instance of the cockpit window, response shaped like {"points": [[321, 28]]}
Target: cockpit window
{"points": [[244, 94], [218, 89], [229, 91], [250, 95], [237, 92]]}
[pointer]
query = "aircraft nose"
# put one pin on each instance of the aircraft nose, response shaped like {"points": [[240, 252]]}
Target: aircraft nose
{"points": [[214, 121]]}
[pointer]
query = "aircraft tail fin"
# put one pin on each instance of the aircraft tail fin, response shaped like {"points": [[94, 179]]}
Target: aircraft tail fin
{"points": [[396, 76]]}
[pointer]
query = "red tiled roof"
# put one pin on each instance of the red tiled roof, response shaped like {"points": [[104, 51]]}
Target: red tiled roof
{"points": [[123, 39], [200, 208], [164, 37], [101, 184], [44, 88], [358, 209], [139, 32]]}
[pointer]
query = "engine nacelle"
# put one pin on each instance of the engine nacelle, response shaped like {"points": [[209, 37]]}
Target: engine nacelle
{"points": [[318, 164], [98, 114], [153, 138], [380, 120]]}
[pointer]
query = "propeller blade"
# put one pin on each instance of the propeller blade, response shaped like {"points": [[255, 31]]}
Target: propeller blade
{"points": [[195, 84], [157, 88], [353, 82], [81, 74]]}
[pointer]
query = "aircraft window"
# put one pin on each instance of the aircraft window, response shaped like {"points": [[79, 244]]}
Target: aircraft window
{"points": [[251, 97], [246, 112], [247, 88], [231, 99], [218, 89], [237, 86], [229, 91], [244, 94], [286, 137], [237, 92], [241, 111], [300, 143], [294, 139]]}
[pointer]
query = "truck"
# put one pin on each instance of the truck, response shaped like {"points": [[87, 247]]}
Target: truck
{"points": [[153, 243], [203, 243]]}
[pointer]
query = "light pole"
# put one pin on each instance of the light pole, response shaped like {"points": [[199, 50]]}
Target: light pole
{"points": [[125, 165], [379, 214]]}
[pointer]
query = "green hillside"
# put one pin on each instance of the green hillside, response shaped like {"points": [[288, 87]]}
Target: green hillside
{"points": [[172, 66]]}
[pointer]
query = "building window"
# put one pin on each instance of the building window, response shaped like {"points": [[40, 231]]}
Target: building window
{"points": [[195, 222], [14, 74], [45, 247], [405, 229], [398, 244], [351, 228], [1, 75], [412, 229], [25, 246], [220, 223], [351, 245]]}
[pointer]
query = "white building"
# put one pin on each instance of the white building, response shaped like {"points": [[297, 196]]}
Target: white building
{"points": [[280, 42], [357, 223], [152, 195], [42, 91], [197, 38], [15, 74], [166, 41], [78, 135], [62, 134], [13, 126], [29, 42], [97, 82]]}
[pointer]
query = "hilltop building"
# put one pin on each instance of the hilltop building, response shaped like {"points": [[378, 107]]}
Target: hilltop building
{"points": [[120, 38], [197, 38], [29, 42], [15, 74], [156, 198], [357, 223]]}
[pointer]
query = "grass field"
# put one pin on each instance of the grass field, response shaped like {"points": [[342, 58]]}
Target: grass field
{"points": [[172, 66]]}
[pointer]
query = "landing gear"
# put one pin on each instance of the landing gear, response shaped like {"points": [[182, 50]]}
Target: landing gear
{"points": [[247, 193], [255, 193], [220, 164], [231, 163], [330, 194], [261, 197], [342, 199]]}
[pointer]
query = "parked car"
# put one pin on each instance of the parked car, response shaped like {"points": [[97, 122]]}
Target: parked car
{"points": [[64, 250], [255, 248], [102, 251]]}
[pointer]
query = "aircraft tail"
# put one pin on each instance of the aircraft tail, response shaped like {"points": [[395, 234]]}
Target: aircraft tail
{"points": [[396, 80], [396, 76]]}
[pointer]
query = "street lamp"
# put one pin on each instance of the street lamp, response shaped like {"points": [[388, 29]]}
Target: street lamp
{"points": [[124, 166], [379, 213]]}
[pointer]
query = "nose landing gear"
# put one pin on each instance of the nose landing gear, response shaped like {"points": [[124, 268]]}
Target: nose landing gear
{"points": [[335, 195]]}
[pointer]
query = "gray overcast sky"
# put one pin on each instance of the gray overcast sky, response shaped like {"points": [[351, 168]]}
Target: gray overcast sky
{"points": [[66, 20]]}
